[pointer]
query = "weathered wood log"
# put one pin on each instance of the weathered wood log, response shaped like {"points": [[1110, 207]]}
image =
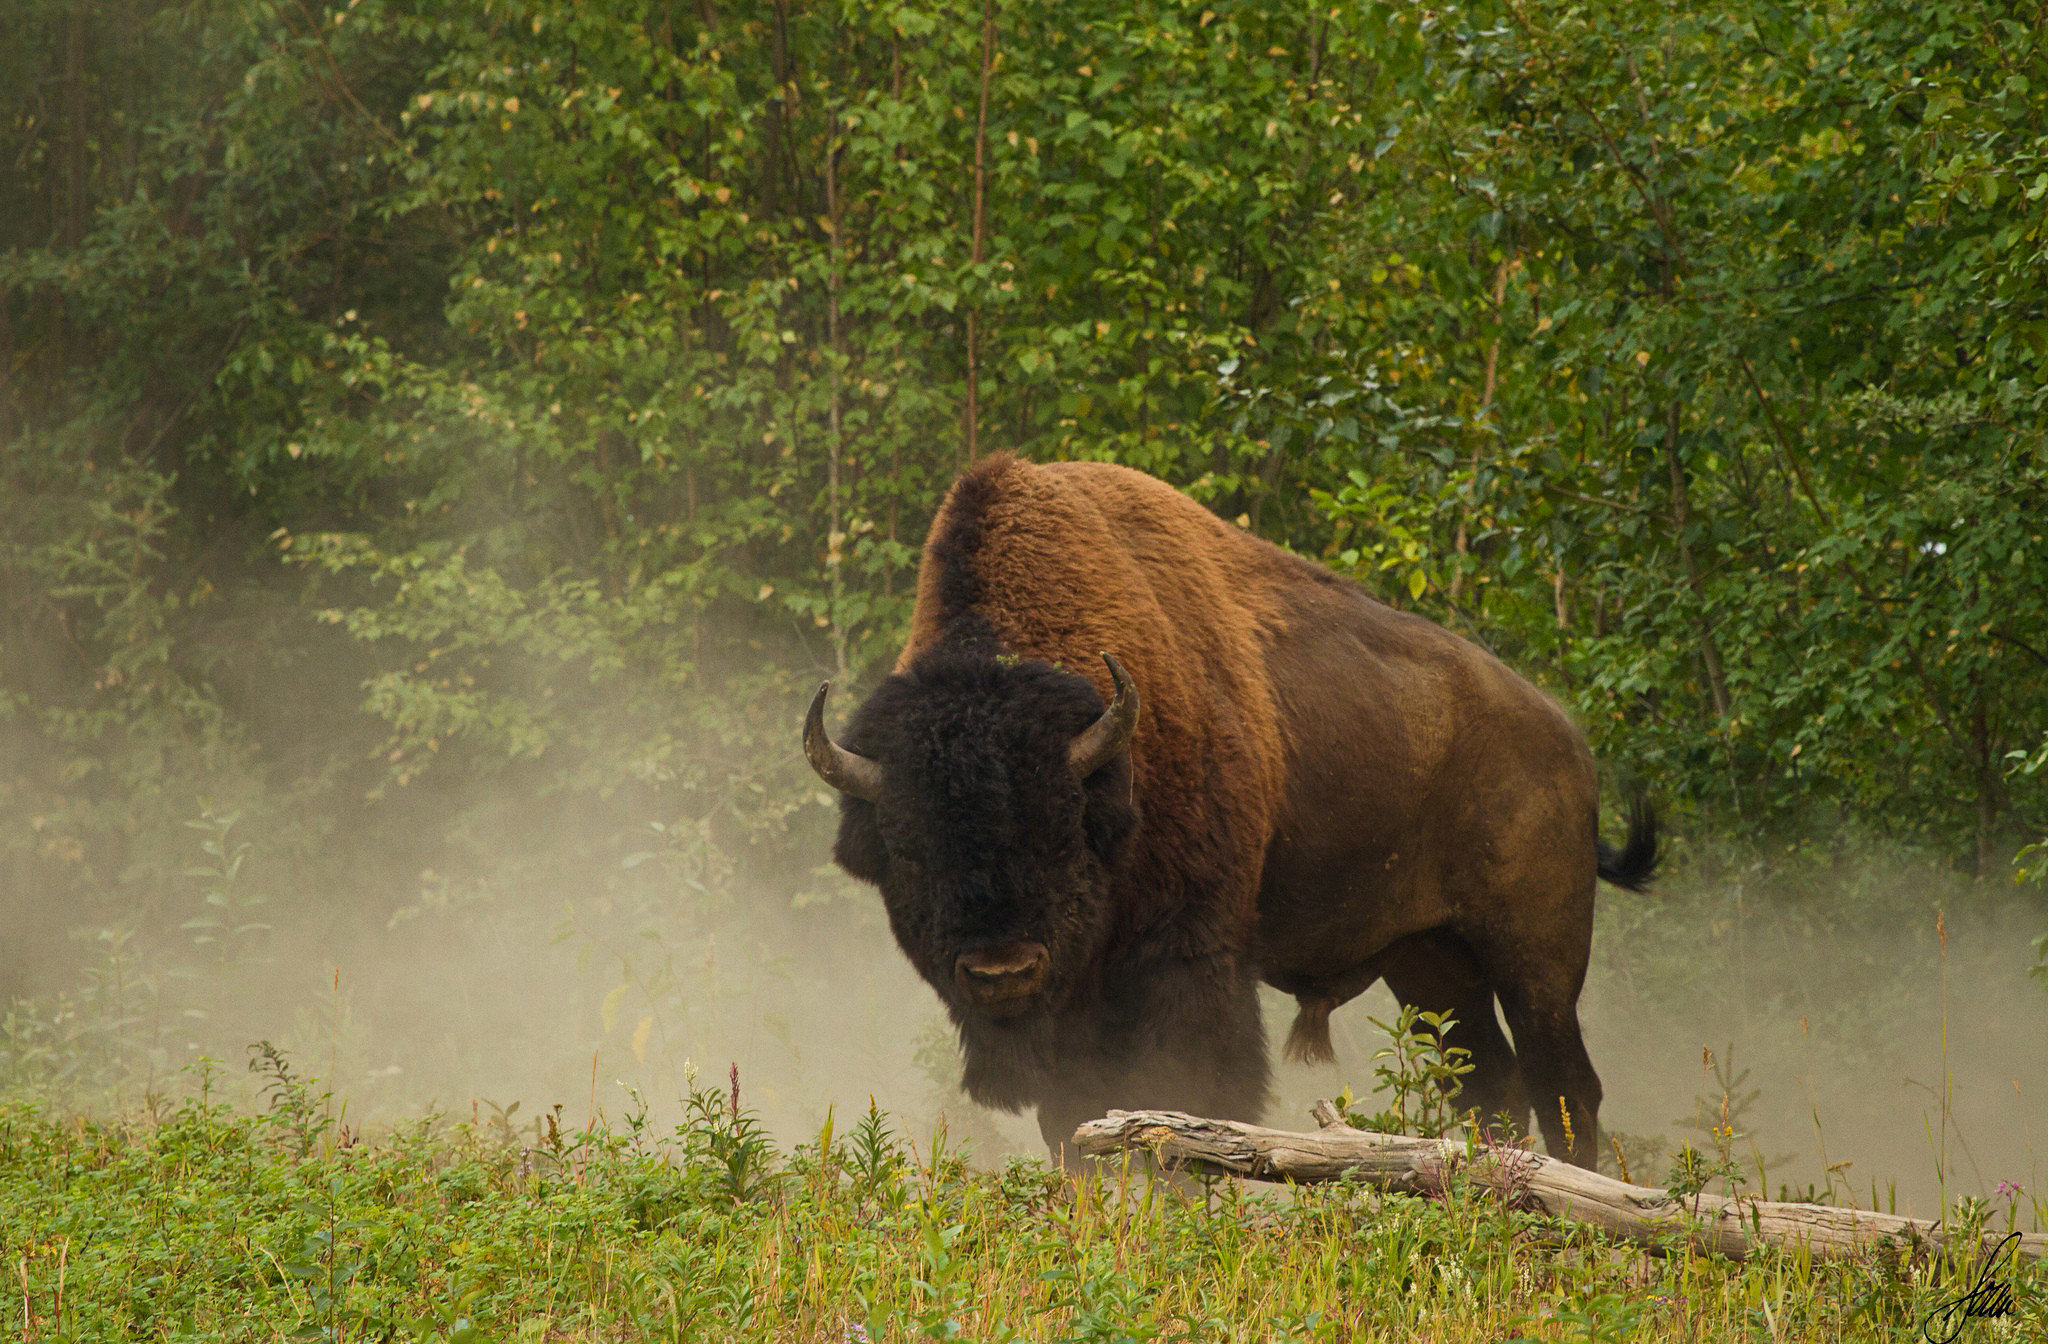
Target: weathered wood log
{"points": [[1734, 1227]]}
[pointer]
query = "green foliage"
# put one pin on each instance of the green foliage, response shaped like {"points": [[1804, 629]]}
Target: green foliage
{"points": [[227, 923], [2031, 863], [293, 1105], [219, 1225], [1727, 402], [728, 1143], [98, 1038], [1419, 1076], [512, 475]]}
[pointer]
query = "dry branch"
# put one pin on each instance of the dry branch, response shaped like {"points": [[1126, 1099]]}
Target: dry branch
{"points": [[1732, 1226]]}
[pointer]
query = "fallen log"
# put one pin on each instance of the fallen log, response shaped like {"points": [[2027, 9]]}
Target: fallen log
{"points": [[1734, 1227]]}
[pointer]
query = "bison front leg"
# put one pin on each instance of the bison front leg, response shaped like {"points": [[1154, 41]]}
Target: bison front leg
{"points": [[1185, 1037], [1057, 1121]]}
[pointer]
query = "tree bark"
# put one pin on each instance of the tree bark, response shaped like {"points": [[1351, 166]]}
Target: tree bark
{"points": [[1990, 787], [895, 440], [74, 116], [972, 414], [1681, 517], [7, 425], [1488, 381], [1735, 1227], [778, 155], [608, 513], [835, 337], [71, 220]]}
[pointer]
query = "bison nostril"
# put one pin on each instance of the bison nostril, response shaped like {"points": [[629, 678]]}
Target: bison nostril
{"points": [[1008, 966]]}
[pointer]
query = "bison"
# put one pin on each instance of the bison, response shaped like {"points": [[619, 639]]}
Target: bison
{"points": [[1095, 857]]}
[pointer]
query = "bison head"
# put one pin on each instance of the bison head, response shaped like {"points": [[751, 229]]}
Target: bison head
{"points": [[988, 797]]}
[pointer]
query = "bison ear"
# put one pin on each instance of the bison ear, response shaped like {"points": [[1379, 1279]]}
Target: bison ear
{"points": [[859, 848], [1110, 806]]}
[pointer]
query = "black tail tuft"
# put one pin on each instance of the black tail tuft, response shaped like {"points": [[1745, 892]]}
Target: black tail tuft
{"points": [[1636, 864]]}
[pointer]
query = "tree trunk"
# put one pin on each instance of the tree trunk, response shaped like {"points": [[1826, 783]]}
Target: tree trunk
{"points": [[1681, 517], [74, 117], [972, 414], [608, 512], [71, 222], [1990, 787], [774, 152], [1461, 542], [1734, 1227], [7, 419], [895, 440], [835, 535]]}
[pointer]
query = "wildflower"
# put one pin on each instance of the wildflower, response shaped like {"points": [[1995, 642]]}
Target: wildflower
{"points": [[857, 1334], [2008, 1190]]}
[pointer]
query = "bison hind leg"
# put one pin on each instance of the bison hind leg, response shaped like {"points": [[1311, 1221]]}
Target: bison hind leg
{"points": [[1308, 1041]]}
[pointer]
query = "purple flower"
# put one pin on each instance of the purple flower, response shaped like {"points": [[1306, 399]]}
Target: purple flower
{"points": [[857, 1334], [2008, 1190]]}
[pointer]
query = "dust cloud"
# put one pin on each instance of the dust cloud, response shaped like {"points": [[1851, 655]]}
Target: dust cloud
{"points": [[1856, 1048], [1828, 1012]]}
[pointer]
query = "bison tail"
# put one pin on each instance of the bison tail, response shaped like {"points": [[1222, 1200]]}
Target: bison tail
{"points": [[1636, 864]]}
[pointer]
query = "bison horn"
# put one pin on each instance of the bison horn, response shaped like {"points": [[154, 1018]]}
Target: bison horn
{"points": [[1099, 743], [846, 771]]}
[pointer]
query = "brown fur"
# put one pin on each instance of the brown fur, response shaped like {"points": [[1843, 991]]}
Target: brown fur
{"points": [[1077, 558], [1331, 791]]}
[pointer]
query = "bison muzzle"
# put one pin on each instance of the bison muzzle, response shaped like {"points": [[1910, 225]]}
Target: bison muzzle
{"points": [[1002, 980]]}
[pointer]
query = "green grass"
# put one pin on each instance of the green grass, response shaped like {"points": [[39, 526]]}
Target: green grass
{"points": [[201, 1223]]}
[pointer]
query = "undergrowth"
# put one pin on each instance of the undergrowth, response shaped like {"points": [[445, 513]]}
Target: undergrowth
{"points": [[196, 1221]]}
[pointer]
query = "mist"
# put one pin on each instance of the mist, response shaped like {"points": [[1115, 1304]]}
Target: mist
{"points": [[1872, 1027], [1841, 1031]]}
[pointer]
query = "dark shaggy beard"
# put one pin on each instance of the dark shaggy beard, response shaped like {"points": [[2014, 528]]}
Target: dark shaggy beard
{"points": [[1010, 1065], [1180, 1036]]}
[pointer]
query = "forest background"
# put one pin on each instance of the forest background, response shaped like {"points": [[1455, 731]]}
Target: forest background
{"points": [[443, 446]]}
